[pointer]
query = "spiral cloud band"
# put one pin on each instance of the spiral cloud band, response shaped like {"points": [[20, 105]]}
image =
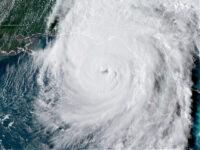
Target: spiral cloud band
{"points": [[118, 75]]}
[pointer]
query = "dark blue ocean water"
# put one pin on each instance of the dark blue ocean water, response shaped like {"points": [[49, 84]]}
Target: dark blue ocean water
{"points": [[18, 92], [195, 131], [19, 128]]}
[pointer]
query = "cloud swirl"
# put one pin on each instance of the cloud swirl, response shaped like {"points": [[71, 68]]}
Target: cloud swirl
{"points": [[118, 75]]}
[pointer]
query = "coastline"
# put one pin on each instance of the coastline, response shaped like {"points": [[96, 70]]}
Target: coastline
{"points": [[32, 43]]}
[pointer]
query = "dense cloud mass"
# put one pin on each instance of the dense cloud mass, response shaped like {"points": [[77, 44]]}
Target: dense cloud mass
{"points": [[119, 74]]}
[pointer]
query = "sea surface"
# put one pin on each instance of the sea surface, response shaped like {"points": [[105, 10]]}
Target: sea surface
{"points": [[19, 89]]}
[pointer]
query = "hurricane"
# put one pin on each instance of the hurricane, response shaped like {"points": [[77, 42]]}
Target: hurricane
{"points": [[118, 74]]}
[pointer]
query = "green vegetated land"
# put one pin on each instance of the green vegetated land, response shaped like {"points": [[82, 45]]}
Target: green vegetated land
{"points": [[22, 18]]}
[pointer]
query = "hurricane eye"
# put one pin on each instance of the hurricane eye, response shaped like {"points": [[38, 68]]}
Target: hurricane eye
{"points": [[104, 71]]}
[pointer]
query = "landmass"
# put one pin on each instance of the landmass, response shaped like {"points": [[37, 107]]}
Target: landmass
{"points": [[23, 25]]}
